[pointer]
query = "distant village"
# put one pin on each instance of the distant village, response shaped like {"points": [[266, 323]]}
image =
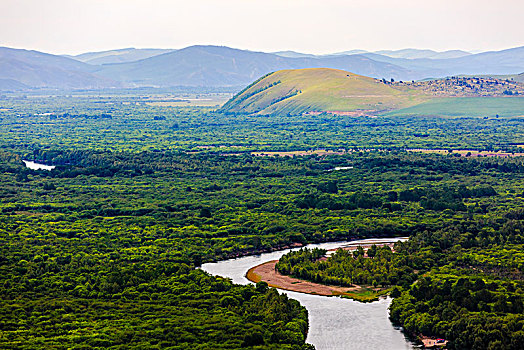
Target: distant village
{"points": [[465, 86]]}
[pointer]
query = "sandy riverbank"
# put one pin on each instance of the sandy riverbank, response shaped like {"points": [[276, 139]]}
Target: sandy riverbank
{"points": [[266, 272]]}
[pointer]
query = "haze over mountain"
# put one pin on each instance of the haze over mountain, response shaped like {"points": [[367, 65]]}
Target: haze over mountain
{"points": [[293, 54], [404, 53], [23, 68], [416, 53], [223, 66], [118, 56], [218, 66], [509, 61]]}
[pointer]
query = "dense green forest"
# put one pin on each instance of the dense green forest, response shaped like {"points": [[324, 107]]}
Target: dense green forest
{"points": [[463, 280], [103, 251]]}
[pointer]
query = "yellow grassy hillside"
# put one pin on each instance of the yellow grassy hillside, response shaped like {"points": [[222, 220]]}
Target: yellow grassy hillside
{"points": [[298, 91]]}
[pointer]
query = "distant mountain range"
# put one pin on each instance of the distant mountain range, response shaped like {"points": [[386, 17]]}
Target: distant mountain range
{"points": [[405, 53], [118, 56], [415, 53], [223, 66], [218, 66], [21, 69]]}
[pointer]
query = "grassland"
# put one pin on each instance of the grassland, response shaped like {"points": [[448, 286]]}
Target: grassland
{"points": [[320, 89], [467, 106], [316, 90]]}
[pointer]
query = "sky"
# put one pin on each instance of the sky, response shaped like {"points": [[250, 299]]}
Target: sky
{"points": [[311, 26]]}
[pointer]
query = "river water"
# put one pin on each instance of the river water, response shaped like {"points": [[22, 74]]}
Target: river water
{"points": [[37, 166], [334, 323]]}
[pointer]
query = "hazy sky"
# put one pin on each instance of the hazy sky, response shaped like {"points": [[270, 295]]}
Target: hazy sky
{"points": [[315, 26]]}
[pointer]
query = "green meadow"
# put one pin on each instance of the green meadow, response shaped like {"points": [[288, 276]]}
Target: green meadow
{"points": [[465, 106]]}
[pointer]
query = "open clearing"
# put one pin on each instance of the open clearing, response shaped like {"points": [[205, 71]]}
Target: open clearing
{"points": [[466, 106], [191, 102], [319, 152]]}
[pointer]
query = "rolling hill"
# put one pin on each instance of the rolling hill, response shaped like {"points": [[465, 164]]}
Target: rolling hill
{"points": [[21, 69], [320, 89]]}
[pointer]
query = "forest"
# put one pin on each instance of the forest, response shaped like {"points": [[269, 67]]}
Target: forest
{"points": [[103, 251], [462, 281]]}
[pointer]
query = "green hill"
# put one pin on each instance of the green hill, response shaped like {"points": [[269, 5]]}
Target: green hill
{"points": [[299, 91]]}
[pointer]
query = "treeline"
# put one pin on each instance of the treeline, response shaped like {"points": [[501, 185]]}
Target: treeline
{"points": [[84, 116], [432, 198], [446, 164]]}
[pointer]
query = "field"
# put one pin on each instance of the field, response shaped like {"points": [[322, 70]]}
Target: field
{"points": [[490, 107], [190, 100]]}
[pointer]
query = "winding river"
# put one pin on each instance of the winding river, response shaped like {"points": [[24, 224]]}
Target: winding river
{"points": [[334, 323]]}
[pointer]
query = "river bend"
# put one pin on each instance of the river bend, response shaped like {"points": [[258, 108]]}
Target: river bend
{"points": [[334, 323]]}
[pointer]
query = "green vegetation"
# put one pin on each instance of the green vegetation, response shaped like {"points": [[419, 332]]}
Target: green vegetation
{"points": [[319, 89], [345, 268], [74, 122], [100, 254], [348, 269], [466, 106], [103, 251], [462, 280], [467, 296], [297, 91]]}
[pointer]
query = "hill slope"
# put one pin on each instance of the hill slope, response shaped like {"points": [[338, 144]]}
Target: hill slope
{"points": [[519, 78], [319, 89], [32, 69]]}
